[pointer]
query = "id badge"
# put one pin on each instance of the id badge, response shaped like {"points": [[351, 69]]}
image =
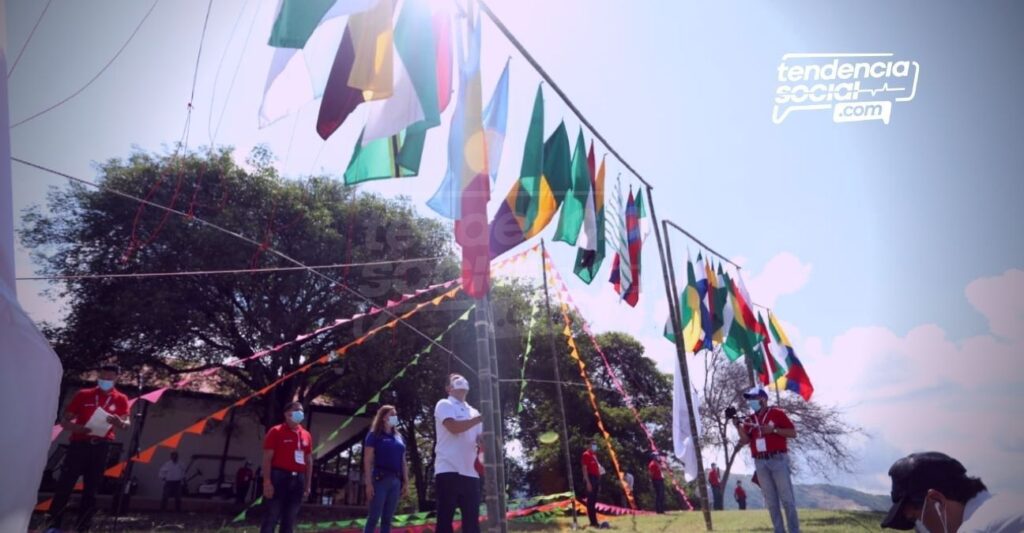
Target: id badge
{"points": [[760, 445], [300, 457]]}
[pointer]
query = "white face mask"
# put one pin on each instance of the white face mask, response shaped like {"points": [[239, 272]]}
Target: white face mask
{"points": [[919, 526], [393, 420]]}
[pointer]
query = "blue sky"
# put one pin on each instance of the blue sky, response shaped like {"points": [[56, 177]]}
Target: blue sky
{"points": [[891, 251]]}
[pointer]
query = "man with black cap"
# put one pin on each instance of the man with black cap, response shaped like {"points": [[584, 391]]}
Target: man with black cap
{"points": [[767, 431], [932, 493]]}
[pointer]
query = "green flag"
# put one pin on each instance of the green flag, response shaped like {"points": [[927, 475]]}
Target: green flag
{"points": [[574, 208], [296, 21]]}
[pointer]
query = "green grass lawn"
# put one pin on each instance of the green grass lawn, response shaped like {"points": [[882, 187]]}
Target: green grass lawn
{"points": [[752, 521], [816, 521]]}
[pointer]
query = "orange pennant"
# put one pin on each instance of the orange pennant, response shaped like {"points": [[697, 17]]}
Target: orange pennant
{"points": [[243, 401], [44, 505], [172, 442], [114, 471], [197, 428], [145, 456], [219, 415]]}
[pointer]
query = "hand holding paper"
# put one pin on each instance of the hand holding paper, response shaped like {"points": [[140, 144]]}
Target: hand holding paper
{"points": [[98, 424]]}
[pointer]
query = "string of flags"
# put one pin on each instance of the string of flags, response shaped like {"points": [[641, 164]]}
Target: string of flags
{"points": [[563, 290], [526, 357], [197, 428], [575, 354], [716, 310]]}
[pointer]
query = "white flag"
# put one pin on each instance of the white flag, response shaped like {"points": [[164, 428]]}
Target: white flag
{"points": [[682, 441]]}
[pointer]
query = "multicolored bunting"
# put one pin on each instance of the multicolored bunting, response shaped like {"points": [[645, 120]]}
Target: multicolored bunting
{"points": [[560, 285], [526, 358], [575, 354]]}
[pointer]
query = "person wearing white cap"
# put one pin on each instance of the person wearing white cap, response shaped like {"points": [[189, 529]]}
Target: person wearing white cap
{"points": [[766, 430], [457, 482]]}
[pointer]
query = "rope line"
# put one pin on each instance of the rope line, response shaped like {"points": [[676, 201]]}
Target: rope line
{"points": [[28, 39]]}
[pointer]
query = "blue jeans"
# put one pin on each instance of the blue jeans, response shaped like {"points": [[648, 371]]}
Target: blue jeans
{"points": [[386, 489], [284, 506], [773, 475]]}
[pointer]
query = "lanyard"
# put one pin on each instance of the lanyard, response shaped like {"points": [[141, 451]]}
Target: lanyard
{"points": [[298, 439], [106, 404]]}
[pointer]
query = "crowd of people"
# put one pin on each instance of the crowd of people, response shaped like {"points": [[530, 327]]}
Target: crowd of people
{"points": [[931, 492]]}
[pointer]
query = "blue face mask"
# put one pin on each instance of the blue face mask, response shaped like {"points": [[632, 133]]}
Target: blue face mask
{"points": [[105, 384], [755, 405], [298, 416]]}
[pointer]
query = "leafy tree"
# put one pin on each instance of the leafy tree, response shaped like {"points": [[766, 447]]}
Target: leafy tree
{"points": [[178, 324], [823, 436]]}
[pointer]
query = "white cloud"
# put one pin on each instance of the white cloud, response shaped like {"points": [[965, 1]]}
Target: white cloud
{"points": [[924, 390], [783, 274], [1001, 300]]}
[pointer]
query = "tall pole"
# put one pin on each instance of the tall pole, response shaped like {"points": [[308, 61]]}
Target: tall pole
{"points": [[499, 429], [558, 381], [673, 298], [487, 412]]}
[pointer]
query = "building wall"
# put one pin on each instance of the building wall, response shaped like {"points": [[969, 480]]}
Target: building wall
{"points": [[175, 412]]}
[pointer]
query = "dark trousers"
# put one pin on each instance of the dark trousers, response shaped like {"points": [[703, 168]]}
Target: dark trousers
{"points": [[742, 503], [659, 495], [242, 492], [284, 506], [88, 460], [172, 489], [716, 498], [454, 490], [595, 486]]}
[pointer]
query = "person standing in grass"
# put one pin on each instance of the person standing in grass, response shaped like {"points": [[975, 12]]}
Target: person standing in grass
{"points": [[288, 464], [384, 469], [740, 495]]}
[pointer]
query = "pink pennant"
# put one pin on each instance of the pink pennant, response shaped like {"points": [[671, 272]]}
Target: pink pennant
{"points": [[154, 396], [55, 432], [301, 338]]}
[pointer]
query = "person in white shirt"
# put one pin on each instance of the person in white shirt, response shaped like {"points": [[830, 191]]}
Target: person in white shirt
{"points": [[172, 473], [458, 427], [932, 493]]}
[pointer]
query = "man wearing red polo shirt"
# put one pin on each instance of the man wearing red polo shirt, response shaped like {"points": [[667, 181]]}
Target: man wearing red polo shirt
{"points": [[87, 451], [592, 471], [658, 481], [767, 430], [288, 460]]}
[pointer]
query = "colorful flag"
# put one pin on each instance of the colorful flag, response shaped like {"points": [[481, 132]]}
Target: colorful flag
{"points": [[689, 311], [574, 211], [704, 335], [468, 170], [339, 99], [413, 102], [765, 365], [446, 200], [373, 41], [743, 337], [382, 158], [299, 76], [796, 378], [622, 271], [544, 178], [442, 22], [723, 319], [631, 293], [590, 255], [296, 20]]}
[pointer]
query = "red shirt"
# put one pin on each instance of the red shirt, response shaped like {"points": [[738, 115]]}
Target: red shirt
{"points": [[740, 493], [714, 478], [654, 469], [285, 441], [773, 441], [243, 476], [83, 405], [590, 463]]}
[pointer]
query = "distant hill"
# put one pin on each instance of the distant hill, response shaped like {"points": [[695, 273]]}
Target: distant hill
{"points": [[818, 496]]}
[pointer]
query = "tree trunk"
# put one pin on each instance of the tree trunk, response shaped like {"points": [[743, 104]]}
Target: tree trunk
{"points": [[415, 464]]}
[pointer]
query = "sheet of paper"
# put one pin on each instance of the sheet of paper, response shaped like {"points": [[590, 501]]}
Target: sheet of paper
{"points": [[97, 424]]}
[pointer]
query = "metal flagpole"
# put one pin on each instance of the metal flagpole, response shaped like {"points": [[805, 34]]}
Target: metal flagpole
{"points": [[673, 298], [558, 381], [499, 428], [487, 412]]}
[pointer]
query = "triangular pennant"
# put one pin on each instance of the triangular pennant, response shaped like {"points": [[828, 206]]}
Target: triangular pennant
{"points": [[375, 399], [44, 505], [172, 442], [145, 456], [114, 471], [198, 428], [219, 415]]}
